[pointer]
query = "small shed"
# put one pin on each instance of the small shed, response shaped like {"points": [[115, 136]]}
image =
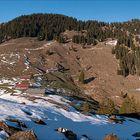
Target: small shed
{"points": [[22, 86]]}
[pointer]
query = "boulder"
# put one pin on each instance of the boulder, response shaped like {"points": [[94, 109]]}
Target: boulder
{"points": [[70, 135], [84, 137], [23, 135], [38, 121], [137, 134], [111, 137], [61, 130]]}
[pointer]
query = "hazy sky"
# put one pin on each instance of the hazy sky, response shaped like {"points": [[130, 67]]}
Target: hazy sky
{"points": [[103, 10]]}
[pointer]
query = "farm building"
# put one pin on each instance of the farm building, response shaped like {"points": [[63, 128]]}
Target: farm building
{"points": [[23, 82], [21, 86]]}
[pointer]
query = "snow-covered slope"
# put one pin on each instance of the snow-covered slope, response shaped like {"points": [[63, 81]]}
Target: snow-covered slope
{"points": [[56, 112]]}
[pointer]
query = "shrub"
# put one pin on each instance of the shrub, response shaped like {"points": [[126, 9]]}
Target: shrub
{"points": [[113, 51], [86, 108], [130, 105], [119, 72], [82, 77], [107, 107]]}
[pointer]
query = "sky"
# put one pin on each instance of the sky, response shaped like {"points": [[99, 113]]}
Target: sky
{"points": [[102, 10]]}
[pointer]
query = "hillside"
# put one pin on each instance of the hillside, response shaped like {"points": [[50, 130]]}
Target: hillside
{"points": [[97, 62], [61, 74], [52, 27], [55, 112]]}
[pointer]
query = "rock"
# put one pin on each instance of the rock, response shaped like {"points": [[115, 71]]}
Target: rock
{"points": [[3, 135], [137, 134], [23, 103], [23, 135], [61, 130], [114, 119], [111, 137], [38, 121], [20, 123], [8, 129], [85, 137], [70, 135]]}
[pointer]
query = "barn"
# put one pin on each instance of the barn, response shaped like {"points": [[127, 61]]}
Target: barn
{"points": [[22, 86]]}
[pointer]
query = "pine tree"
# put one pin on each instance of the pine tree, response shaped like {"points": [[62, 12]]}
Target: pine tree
{"points": [[82, 77]]}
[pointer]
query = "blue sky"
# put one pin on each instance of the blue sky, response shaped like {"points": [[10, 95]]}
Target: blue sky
{"points": [[103, 10]]}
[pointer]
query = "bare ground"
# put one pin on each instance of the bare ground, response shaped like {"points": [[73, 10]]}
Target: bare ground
{"points": [[97, 62]]}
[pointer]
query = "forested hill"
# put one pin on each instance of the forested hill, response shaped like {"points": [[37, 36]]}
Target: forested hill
{"points": [[50, 26]]}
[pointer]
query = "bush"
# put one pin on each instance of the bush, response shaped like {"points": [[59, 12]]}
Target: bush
{"points": [[130, 105], [62, 39], [107, 107], [119, 72], [86, 108], [113, 51], [82, 77]]}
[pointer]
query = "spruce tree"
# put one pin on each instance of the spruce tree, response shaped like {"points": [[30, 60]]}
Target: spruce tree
{"points": [[82, 77]]}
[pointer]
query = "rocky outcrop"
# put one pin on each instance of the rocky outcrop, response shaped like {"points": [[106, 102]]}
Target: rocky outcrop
{"points": [[111, 137], [8, 129], [23, 135], [70, 135], [20, 124]]}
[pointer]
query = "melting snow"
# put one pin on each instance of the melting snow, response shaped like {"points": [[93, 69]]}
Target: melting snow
{"points": [[41, 48], [95, 127]]}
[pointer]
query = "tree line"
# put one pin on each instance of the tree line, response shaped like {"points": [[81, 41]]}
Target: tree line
{"points": [[43, 26], [50, 26]]}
